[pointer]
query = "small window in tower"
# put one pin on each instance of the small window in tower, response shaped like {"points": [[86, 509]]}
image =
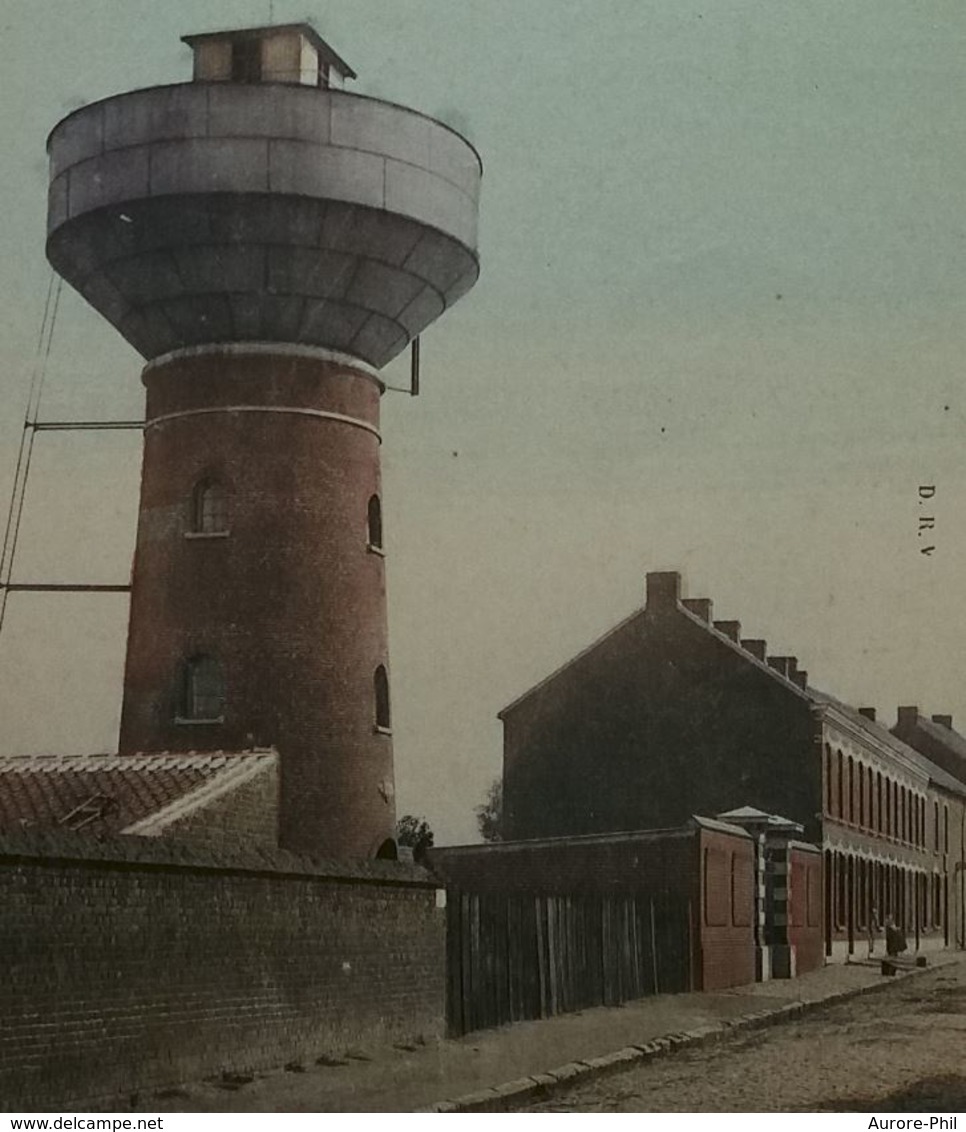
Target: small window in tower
{"points": [[375, 523], [381, 690], [246, 61], [202, 690], [209, 509]]}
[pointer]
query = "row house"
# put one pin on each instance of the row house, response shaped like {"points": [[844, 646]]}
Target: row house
{"points": [[673, 713]]}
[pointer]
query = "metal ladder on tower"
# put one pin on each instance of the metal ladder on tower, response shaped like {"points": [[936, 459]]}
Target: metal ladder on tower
{"points": [[32, 425]]}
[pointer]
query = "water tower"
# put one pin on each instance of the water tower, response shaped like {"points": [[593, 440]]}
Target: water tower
{"points": [[267, 242]]}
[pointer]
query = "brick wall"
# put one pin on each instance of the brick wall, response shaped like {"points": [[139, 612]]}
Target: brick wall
{"points": [[727, 910], [246, 815], [805, 910], [134, 963]]}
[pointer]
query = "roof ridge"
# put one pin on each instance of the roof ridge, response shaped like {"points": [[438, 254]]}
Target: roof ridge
{"points": [[575, 659], [738, 648], [148, 760], [228, 778]]}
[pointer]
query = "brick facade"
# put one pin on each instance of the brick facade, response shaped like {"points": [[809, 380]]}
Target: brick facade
{"points": [[673, 713], [726, 911], [881, 800], [804, 907], [131, 963], [288, 598]]}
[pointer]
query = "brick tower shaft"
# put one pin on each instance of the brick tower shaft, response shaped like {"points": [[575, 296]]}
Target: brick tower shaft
{"points": [[258, 607]]}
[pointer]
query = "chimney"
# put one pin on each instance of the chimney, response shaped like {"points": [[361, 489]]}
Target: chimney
{"points": [[908, 718], [868, 712], [663, 591], [699, 606], [801, 679], [783, 664], [730, 629], [756, 648], [944, 721]]}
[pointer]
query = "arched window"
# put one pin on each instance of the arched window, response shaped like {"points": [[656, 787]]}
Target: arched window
{"points": [[202, 689], [209, 508], [840, 785], [879, 822], [839, 890], [851, 812], [375, 522], [380, 682], [829, 782]]}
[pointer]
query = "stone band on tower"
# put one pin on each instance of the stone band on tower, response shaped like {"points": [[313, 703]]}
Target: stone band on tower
{"points": [[267, 243]]}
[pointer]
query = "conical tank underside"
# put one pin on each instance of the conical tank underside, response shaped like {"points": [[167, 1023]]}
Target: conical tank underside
{"points": [[208, 213]]}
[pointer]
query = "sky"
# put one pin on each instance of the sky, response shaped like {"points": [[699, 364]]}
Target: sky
{"points": [[719, 328]]}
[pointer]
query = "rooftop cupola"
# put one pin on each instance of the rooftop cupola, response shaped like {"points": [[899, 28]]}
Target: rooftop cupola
{"points": [[284, 53]]}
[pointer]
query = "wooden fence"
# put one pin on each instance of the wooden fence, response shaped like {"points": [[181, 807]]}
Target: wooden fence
{"points": [[515, 956]]}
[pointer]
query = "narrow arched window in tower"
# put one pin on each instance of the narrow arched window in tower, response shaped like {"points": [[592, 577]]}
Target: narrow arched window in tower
{"points": [[202, 689], [209, 508], [381, 690], [375, 523]]}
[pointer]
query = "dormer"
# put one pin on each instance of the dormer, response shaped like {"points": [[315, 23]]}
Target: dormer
{"points": [[284, 53]]}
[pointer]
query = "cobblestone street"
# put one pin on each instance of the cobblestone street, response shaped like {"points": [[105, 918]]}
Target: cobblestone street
{"points": [[901, 1050]]}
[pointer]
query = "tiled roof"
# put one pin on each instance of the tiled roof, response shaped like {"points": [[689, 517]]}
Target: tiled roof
{"points": [[946, 736], [107, 794]]}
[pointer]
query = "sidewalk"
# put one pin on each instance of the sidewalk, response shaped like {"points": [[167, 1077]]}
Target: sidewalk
{"points": [[406, 1081]]}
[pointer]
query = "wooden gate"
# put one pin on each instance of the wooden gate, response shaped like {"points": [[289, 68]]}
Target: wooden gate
{"points": [[515, 956]]}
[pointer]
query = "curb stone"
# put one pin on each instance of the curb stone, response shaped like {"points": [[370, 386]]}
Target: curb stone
{"points": [[508, 1096]]}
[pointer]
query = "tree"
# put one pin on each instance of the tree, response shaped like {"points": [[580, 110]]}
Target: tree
{"points": [[415, 834], [489, 815]]}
